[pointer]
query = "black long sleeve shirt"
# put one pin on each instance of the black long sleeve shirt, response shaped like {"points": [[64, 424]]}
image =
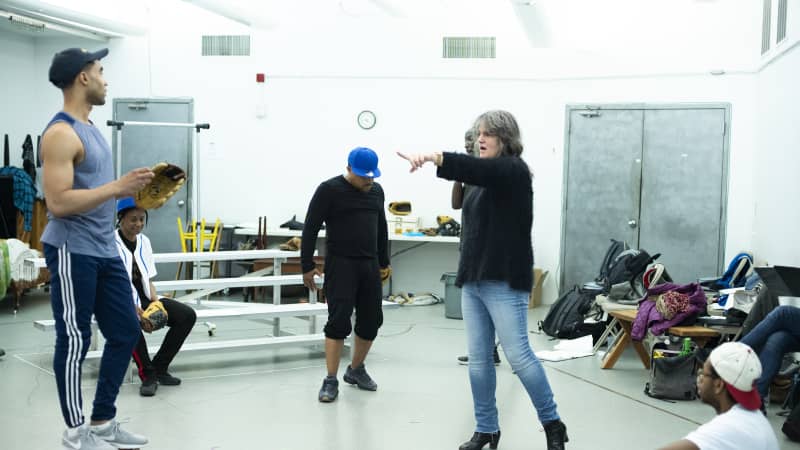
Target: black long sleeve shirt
{"points": [[355, 223], [496, 244]]}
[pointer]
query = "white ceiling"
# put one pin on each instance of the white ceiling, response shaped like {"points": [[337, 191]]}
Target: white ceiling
{"points": [[694, 28], [605, 25]]}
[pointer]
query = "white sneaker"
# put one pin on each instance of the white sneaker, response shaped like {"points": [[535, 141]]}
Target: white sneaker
{"points": [[82, 438], [111, 433]]}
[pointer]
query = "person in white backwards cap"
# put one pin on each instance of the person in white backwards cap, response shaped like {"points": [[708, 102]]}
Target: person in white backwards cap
{"points": [[727, 383]]}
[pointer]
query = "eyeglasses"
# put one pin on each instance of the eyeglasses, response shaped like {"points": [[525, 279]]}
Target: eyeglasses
{"points": [[701, 374]]}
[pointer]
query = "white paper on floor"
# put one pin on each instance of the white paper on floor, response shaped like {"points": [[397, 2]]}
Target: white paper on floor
{"points": [[567, 349]]}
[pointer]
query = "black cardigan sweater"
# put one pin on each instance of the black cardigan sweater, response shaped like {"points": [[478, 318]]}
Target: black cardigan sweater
{"points": [[497, 216]]}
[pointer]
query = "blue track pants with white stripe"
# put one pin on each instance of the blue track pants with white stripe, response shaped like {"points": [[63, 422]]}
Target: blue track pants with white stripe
{"points": [[80, 286]]}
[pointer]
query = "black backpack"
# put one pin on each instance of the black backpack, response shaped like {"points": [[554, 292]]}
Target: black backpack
{"points": [[627, 266], [566, 316], [613, 251], [791, 427]]}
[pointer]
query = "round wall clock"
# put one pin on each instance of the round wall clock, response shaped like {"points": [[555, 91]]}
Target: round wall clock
{"points": [[366, 119]]}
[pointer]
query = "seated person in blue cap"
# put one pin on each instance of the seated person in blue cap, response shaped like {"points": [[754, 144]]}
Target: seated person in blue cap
{"points": [[356, 259], [137, 256]]}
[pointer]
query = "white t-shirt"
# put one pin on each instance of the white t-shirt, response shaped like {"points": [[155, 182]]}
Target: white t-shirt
{"points": [[736, 429]]}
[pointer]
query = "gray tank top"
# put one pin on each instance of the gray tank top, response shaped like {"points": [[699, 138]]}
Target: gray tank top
{"points": [[89, 232]]}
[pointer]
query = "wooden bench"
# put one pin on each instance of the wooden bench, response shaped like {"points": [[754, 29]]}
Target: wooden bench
{"points": [[625, 318]]}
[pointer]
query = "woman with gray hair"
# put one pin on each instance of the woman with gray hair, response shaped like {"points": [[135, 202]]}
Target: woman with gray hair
{"points": [[495, 271]]}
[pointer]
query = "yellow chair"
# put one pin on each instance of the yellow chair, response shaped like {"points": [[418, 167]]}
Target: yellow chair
{"points": [[196, 239], [213, 243]]}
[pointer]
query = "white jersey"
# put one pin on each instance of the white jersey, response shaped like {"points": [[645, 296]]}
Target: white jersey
{"points": [[143, 255]]}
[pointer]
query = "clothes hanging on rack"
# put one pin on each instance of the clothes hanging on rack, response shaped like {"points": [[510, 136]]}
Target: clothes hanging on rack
{"points": [[6, 160], [27, 158], [8, 212], [38, 180], [24, 193], [39, 151]]}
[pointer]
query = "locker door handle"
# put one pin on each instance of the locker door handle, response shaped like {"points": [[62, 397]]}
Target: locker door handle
{"points": [[181, 203], [632, 223]]}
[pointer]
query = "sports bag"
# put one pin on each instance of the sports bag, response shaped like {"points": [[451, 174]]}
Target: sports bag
{"points": [[565, 320], [673, 375]]}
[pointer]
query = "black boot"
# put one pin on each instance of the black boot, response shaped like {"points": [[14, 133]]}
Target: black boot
{"points": [[556, 433], [479, 440]]}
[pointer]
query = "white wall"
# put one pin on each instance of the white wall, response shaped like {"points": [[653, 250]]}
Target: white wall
{"points": [[18, 93], [777, 163], [321, 72]]}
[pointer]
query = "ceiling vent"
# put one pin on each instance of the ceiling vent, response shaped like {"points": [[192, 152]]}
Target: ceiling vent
{"points": [[238, 45], [782, 5], [469, 47], [766, 18]]}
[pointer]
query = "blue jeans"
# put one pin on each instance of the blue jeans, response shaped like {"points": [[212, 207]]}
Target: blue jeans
{"points": [[777, 334], [491, 307]]}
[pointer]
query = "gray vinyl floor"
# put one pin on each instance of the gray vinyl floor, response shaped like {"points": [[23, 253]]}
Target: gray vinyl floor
{"points": [[266, 399]]}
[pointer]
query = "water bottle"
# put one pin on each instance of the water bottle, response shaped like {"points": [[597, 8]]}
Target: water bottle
{"points": [[687, 347]]}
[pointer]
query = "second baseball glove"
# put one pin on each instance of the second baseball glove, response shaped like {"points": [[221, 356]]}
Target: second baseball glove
{"points": [[154, 317]]}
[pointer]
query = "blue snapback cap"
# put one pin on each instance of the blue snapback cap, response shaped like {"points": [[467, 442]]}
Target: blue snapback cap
{"points": [[363, 162]]}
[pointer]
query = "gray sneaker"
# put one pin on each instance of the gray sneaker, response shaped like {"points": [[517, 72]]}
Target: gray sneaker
{"points": [[83, 440], [117, 437], [329, 390], [360, 377]]}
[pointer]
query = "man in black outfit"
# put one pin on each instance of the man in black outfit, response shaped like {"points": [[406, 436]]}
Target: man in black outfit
{"points": [[356, 260]]}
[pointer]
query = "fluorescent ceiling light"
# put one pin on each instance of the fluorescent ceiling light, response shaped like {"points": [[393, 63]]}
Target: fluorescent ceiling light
{"points": [[35, 25], [108, 19]]}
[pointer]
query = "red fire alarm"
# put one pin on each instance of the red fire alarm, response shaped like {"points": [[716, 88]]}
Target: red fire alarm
{"points": [[259, 78]]}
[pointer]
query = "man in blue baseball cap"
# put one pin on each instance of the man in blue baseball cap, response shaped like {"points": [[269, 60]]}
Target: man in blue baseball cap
{"points": [[364, 162], [88, 277], [356, 261]]}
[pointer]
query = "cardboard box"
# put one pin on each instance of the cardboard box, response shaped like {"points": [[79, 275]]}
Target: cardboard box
{"points": [[536, 292]]}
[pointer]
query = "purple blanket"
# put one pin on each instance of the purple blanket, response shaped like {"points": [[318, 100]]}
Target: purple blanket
{"points": [[648, 316]]}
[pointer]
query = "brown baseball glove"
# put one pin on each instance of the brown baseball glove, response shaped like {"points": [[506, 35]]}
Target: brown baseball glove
{"points": [[167, 181], [154, 317], [400, 208], [292, 245], [386, 272]]}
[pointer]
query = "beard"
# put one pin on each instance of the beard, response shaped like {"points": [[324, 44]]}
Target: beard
{"points": [[96, 98]]}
